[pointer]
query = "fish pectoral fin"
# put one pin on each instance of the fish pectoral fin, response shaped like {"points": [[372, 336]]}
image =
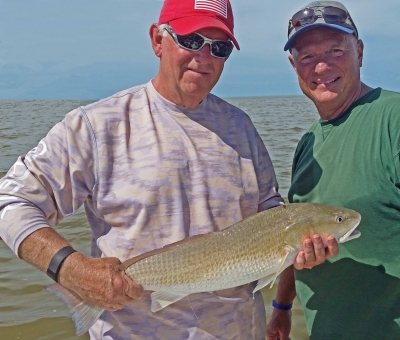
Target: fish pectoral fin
{"points": [[288, 256], [287, 259], [160, 300], [281, 263], [261, 283]]}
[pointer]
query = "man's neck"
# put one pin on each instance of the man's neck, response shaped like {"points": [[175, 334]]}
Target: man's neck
{"points": [[327, 113], [188, 101]]}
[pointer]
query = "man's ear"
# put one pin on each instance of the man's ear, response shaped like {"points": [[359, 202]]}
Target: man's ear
{"points": [[291, 59], [360, 50], [156, 39]]}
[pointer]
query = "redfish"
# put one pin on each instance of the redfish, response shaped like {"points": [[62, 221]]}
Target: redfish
{"points": [[257, 248]]}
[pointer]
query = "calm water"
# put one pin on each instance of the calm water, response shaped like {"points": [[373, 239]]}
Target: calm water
{"points": [[26, 312]]}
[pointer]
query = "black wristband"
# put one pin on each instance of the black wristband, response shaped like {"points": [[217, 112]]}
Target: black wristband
{"points": [[57, 260]]}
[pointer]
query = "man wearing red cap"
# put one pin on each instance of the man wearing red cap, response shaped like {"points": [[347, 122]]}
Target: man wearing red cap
{"points": [[153, 165]]}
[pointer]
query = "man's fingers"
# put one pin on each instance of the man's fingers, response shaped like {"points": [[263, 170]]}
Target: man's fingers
{"points": [[135, 292], [132, 289], [107, 305], [309, 251], [300, 261], [319, 249], [114, 307], [316, 251], [276, 336], [332, 248]]}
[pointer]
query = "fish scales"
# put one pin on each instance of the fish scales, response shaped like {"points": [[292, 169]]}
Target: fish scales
{"points": [[249, 249], [259, 248]]}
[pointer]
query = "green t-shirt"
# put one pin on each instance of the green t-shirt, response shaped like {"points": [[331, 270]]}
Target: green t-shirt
{"points": [[354, 161]]}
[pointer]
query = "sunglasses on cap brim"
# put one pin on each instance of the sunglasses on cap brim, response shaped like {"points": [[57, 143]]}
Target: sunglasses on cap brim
{"points": [[196, 41], [331, 15]]}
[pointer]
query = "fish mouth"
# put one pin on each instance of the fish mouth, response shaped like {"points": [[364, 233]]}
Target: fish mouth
{"points": [[351, 234], [348, 237]]}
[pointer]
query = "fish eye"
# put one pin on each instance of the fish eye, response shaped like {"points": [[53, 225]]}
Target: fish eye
{"points": [[339, 219]]}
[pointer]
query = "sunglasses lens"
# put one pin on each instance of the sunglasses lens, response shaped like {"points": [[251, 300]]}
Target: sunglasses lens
{"points": [[334, 15], [192, 41], [221, 49], [303, 17]]}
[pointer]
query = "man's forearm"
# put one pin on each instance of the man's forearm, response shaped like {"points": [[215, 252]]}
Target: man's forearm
{"points": [[39, 247], [99, 281], [286, 288]]}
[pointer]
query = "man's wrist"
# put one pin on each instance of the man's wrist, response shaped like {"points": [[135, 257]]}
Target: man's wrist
{"points": [[71, 270], [57, 260]]}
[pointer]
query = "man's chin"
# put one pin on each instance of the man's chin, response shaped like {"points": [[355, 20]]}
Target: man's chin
{"points": [[325, 96], [196, 87]]}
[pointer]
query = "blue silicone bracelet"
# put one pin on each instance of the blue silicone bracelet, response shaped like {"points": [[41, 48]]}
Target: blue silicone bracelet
{"points": [[281, 307]]}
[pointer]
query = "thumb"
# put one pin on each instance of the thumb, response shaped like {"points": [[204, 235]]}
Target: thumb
{"points": [[132, 289]]}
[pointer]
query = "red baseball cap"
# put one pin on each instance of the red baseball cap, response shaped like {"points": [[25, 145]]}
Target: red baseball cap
{"points": [[188, 16]]}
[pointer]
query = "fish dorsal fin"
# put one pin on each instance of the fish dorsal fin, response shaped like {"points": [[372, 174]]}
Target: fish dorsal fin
{"points": [[189, 240]]}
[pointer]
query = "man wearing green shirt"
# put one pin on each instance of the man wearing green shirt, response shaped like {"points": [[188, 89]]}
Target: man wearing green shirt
{"points": [[350, 158]]}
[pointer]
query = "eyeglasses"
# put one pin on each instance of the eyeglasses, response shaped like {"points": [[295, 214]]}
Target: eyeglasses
{"points": [[331, 15], [196, 41]]}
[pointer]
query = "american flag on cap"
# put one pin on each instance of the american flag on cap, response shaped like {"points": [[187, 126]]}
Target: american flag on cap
{"points": [[218, 6]]}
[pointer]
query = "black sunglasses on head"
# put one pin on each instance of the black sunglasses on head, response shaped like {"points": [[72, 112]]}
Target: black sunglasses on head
{"points": [[331, 15], [196, 41]]}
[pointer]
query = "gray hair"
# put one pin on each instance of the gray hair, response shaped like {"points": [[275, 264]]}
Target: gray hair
{"points": [[161, 29]]}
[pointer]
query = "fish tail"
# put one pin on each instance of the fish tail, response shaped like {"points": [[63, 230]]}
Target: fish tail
{"points": [[83, 314]]}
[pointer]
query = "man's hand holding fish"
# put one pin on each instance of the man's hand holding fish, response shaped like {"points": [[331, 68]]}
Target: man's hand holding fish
{"points": [[106, 287], [315, 251]]}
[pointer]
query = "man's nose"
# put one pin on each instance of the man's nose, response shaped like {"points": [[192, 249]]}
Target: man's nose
{"points": [[204, 54], [322, 66]]}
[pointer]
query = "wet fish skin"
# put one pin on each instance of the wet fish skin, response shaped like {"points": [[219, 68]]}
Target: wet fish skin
{"points": [[259, 248]]}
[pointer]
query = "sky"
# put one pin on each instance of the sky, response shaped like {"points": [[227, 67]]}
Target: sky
{"points": [[91, 49]]}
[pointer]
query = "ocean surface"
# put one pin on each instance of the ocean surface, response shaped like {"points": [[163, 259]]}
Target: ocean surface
{"points": [[26, 311]]}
